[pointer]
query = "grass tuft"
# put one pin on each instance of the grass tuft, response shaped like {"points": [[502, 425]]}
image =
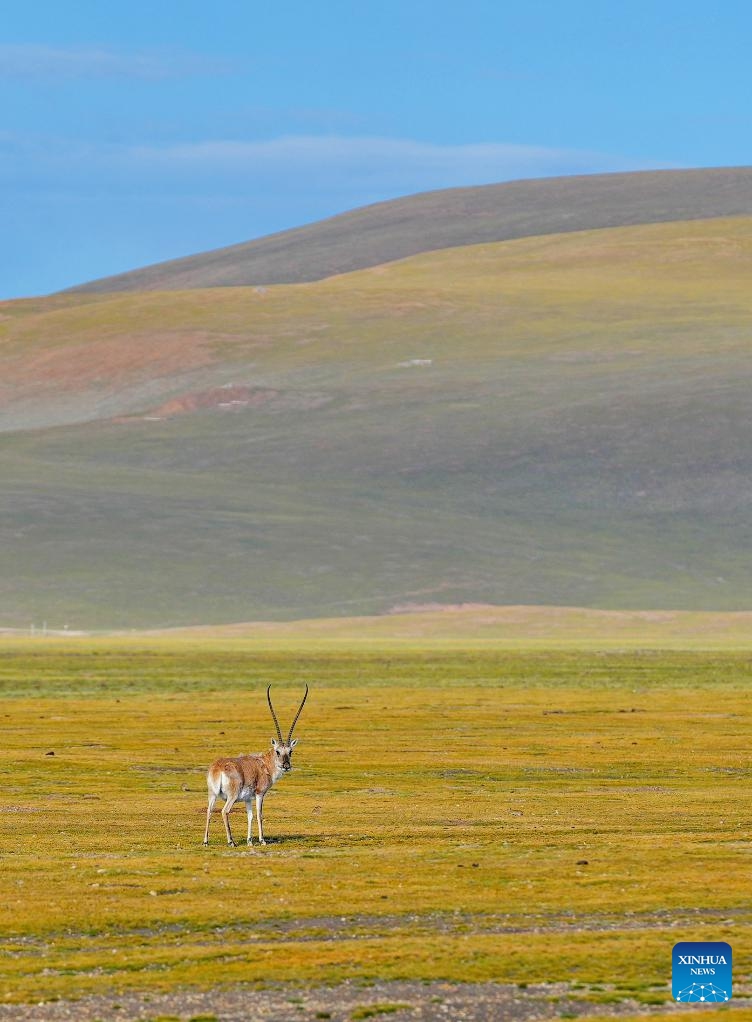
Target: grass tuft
{"points": [[373, 1010]]}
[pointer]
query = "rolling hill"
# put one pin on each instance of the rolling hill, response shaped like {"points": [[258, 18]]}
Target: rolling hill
{"points": [[559, 419], [447, 219]]}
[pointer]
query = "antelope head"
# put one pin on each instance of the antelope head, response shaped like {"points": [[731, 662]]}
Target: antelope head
{"points": [[283, 749]]}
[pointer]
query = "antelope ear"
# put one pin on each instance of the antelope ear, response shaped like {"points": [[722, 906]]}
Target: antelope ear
{"points": [[274, 743], [293, 743]]}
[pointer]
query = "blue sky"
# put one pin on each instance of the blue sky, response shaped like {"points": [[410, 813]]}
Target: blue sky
{"points": [[140, 132]]}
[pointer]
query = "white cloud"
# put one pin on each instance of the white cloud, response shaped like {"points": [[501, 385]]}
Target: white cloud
{"points": [[320, 172], [385, 163], [36, 60], [331, 164]]}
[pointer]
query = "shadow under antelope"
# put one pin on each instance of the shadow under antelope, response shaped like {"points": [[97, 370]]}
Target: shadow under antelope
{"points": [[248, 778]]}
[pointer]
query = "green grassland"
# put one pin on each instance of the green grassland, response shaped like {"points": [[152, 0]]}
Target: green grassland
{"points": [[558, 420], [463, 815]]}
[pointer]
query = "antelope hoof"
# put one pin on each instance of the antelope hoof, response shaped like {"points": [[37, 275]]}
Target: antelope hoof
{"points": [[262, 842], [205, 844], [231, 843], [250, 843]]}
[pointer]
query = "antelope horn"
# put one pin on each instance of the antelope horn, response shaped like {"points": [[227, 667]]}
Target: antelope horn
{"points": [[274, 715], [300, 710]]}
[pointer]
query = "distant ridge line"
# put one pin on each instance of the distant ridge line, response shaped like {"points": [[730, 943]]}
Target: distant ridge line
{"points": [[451, 218]]}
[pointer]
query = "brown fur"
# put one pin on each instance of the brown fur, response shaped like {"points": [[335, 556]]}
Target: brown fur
{"points": [[245, 779], [253, 772], [248, 778]]}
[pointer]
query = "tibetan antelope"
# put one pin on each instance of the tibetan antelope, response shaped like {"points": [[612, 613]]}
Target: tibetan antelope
{"points": [[245, 778]]}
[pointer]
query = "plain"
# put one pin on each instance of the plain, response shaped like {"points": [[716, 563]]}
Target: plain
{"points": [[477, 814]]}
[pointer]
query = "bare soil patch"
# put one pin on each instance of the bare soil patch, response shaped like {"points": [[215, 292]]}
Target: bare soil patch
{"points": [[401, 1001]]}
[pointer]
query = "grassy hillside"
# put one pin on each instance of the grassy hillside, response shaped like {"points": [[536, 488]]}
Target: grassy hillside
{"points": [[558, 420], [458, 216]]}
